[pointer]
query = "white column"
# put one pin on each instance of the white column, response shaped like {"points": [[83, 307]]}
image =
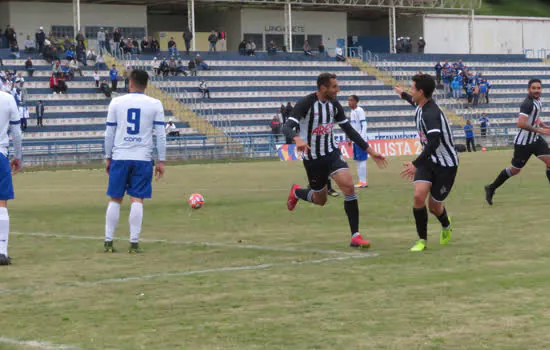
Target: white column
{"points": [[191, 21], [471, 20], [75, 24], [289, 27], [392, 28], [78, 15]]}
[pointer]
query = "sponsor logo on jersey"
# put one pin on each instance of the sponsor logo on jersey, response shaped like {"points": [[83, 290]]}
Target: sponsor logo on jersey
{"points": [[322, 130], [132, 139]]}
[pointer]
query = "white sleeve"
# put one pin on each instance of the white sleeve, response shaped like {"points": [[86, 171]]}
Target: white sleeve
{"points": [[15, 127], [110, 131], [363, 122], [160, 133]]}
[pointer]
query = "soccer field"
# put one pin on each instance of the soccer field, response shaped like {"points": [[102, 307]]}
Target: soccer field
{"points": [[244, 273]]}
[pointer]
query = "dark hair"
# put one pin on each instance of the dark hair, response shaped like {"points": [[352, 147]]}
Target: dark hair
{"points": [[355, 97], [532, 81], [426, 83], [140, 78], [324, 79]]}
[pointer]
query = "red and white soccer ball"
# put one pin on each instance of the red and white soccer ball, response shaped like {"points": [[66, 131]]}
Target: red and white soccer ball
{"points": [[196, 201]]}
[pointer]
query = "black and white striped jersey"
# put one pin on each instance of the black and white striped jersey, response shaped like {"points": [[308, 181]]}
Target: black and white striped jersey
{"points": [[430, 119], [316, 120], [531, 108]]}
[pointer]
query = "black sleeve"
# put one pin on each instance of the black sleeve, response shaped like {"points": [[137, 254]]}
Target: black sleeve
{"points": [[526, 107], [434, 140], [354, 135], [405, 96], [301, 108], [339, 115]]}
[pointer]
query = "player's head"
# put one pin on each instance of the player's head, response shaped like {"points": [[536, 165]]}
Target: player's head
{"points": [[353, 100], [423, 86], [534, 88], [327, 86], [138, 80]]}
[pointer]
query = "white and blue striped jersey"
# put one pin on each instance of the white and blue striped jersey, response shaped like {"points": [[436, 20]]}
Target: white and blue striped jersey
{"points": [[359, 121], [134, 117]]}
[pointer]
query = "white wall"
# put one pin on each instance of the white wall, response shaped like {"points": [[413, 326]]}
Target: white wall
{"points": [[28, 16], [331, 25], [492, 34], [4, 15]]}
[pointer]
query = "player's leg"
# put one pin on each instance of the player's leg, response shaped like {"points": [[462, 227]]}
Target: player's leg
{"points": [[542, 151], [330, 190], [317, 173], [342, 176], [360, 157], [118, 179], [139, 188], [520, 158], [442, 184], [6, 193], [422, 186]]}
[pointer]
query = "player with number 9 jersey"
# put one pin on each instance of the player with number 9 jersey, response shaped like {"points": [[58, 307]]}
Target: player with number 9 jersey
{"points": [[131, 120]]}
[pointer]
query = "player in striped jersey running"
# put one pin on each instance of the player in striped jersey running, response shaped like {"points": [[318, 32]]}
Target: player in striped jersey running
{"points": [[315, 116], [528, 142], [435, 169]]}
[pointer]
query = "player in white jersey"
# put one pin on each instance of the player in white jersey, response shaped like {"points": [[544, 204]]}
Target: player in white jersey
{"points": [[129, 152], [359, 123], [24, 115], [9, 120]]}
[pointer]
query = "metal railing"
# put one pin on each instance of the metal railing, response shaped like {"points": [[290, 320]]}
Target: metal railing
{"points": [[537, 53]]}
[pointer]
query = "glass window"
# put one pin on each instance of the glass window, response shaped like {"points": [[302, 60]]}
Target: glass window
{"points": [[63, 31], [132, 32], [91, 31], [298, 42], [314, 41]]}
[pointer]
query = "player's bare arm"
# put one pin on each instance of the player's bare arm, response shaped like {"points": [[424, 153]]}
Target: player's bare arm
{"points": [[523, 123]]}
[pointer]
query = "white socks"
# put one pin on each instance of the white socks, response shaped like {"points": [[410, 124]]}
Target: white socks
{"points": [[4, 230], [136, 218], [111, 220], [362, 170]]}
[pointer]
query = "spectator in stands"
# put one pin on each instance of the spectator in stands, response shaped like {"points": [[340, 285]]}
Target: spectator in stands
{"points": [[476, 96], [242, 48], [307, 48], [145, 45], [24, 115], [81, 39], [67, 44], [123, 47], [136, 46], [271, 48], [221, 40], [164, 69], [407, 44], [340, 54], [108, 38], [470, 91], [172, 66], [322, 50], [75, 68], [128, 46], [483, 91], [203, 88], [69, 54], [54, 84], [276, 127], [171, 129], [447, 80], [91, 55], [100, 62], [96, 78], [456, 87], [282, 112], [192, 65], [116, 41], [155, 46], [30, 45], [81, 53], [101, 40], [66, 70], [200, 63], [421, 45], [171, 44], [39, 114], [251, 48], [438, 68], [40, 37], [10, 35], [105, 89], [288, 109], [56, 68], [126, 77], [483, 124], [113, 73], [460, 65], [187, 37], [14, 50], [180, 68], [29, 67], [212, 41], [469, 132], [156, 66]]}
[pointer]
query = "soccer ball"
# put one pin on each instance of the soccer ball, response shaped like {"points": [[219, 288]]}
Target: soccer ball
{"points": [[196, 201]]}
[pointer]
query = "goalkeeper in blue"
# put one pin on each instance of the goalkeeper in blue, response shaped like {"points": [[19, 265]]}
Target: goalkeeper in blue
{"points": [[129, 155]]}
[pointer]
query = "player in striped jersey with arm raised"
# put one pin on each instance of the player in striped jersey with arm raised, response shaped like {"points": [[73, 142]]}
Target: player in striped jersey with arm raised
{"points": [[434, 170], [528, 141], [315, 115]]}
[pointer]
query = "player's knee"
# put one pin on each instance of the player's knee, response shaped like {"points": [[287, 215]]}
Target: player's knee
{"points": [[513, 171], [419, 199], [319, 199], [117, 200]]}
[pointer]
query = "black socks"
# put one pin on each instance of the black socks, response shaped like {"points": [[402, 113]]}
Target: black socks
{"points": [[421, 218]]}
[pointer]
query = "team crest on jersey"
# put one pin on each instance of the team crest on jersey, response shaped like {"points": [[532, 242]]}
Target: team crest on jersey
{"points": [[443, 190]]}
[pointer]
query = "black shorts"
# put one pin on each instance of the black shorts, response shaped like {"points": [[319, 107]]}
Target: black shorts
{"points": [[523, 153], [318, 170], [441, 178]]}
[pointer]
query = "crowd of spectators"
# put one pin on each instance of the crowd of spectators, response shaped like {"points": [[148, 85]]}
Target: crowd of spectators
{"points": [[458, 81]]}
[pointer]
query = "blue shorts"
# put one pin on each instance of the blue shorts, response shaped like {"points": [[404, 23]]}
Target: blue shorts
{"points": [[6, 184], [359, 154], [130, 176]]}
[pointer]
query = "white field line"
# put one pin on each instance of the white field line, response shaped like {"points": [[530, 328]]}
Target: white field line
{"points": [[196, 244], [190, 273], [36, 344]]}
